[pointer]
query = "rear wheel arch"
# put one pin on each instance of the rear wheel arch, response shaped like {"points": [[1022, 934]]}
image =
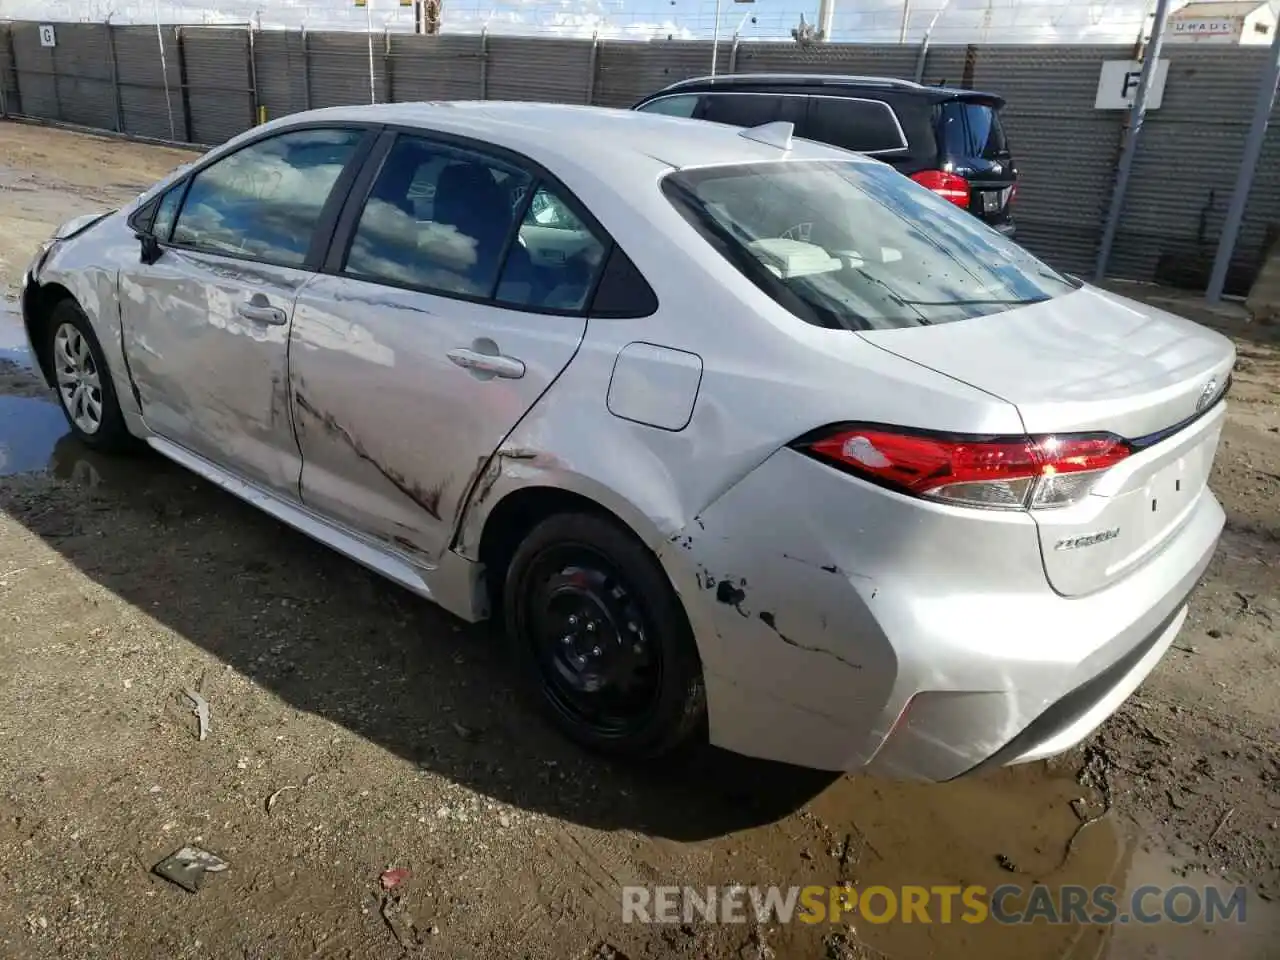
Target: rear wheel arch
{"points": [[518, 533], [514, 516]]}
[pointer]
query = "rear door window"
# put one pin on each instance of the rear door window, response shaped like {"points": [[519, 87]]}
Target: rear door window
{"points": [[554, 260], [864, 126], [751, 109], [438, 217], [970, 130]]}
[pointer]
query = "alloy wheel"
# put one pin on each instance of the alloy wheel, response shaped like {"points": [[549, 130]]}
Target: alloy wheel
{"points": [[79, 381]]}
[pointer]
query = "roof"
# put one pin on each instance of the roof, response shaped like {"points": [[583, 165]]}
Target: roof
{"points": [[1213, 9], [885, 84], [562, 134]]}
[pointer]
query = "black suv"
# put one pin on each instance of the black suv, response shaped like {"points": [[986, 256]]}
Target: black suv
{"points": [[948, 140]]}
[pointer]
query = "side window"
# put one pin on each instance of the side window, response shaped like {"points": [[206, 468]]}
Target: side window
{"points": [[264, 201], [437, 217], [742, 109], [864, 126], [554, 260], [678, 106], [162, 225]]}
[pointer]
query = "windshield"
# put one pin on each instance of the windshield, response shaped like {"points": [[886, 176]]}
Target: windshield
{"points": [[856, 245]]}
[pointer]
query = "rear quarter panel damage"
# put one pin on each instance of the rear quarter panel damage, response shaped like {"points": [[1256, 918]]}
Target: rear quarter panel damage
{"points": [[797, 666]]}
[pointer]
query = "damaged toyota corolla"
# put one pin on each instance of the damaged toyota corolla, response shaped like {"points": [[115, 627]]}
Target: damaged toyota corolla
{"points": [[743, 437]]}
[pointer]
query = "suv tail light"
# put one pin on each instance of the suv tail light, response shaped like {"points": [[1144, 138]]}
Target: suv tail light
{"points": [[949, 186], [1006, 473]]}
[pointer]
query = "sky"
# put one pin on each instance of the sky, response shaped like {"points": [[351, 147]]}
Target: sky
{"points": [[881, 21]]}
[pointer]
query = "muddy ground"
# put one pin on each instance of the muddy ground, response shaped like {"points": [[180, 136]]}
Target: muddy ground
{"points": [[394, 735]]}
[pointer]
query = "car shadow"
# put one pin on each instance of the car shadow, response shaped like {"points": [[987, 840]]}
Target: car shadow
{"points": [[331, 639]]}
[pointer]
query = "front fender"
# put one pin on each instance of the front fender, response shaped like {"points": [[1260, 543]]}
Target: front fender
{"points": [[87, 268]]}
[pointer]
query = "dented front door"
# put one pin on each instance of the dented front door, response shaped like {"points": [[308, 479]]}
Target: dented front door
{"points": [[207, 342], [400, 397]]}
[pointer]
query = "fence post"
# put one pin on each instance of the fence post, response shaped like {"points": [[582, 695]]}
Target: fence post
{"points": [[1248, 166], [484, 63], [188, 133], [306, 71], [733, 54], [115, 75], [4, 76], [13, 67], [259, 111], [164, 76], [57, 87], [387, 84], [592, 60], [1150, 63]]}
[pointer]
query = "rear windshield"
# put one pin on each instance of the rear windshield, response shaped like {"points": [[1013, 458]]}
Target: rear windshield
{"points": [[967, 129], [856, 245]]}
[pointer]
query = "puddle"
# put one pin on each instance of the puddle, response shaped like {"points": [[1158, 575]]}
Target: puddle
{"points": [[1012, 827], [30, 422], [29, 431]]}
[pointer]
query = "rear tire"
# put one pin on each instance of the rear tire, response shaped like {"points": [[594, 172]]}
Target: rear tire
{"points": [[82, 380], [601, 639]]}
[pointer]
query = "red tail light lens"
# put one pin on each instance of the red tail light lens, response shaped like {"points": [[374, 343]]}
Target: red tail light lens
{"points": [[949, 186], [1014, 473]]}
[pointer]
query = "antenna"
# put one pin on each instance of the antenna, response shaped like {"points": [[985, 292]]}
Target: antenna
{"points": [[774, 134]]}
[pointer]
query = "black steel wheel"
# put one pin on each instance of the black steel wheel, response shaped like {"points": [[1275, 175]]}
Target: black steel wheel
{"points": [[602, 639]]}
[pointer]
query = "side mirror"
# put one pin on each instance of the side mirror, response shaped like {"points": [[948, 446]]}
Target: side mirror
{"points": [[151, 249]]}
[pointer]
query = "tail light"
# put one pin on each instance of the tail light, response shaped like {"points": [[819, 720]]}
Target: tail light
{"points": [[949, 186], [1007, 473]]}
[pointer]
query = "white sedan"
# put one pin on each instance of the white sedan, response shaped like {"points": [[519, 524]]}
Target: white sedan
{"points": [[743, 436]]}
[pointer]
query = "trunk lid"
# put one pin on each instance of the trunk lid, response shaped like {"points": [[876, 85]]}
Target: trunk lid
{"points": [[1091, 362]]}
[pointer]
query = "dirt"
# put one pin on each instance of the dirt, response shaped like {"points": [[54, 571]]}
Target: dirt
{"points": [[355, 729]]}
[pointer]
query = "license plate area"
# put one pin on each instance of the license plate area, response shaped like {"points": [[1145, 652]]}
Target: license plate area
{"points": [[993, 201], [1161, 505]]}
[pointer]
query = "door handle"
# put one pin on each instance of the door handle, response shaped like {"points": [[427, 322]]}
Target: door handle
{"points": [[260, 313], [509, 368]]}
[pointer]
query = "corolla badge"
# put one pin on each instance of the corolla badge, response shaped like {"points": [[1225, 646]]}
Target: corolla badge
{"points": [[1088, 540], [1208, 393]]}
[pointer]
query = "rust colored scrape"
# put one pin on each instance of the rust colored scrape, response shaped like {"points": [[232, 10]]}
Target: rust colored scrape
{"points": [[428, 500]]}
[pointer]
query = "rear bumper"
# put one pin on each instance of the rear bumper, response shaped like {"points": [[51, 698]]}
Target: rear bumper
{"points": [[1007, 228], [1076, 715], [851, 628]]}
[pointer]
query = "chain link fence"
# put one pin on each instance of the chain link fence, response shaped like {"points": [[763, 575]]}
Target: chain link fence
{"points": [[203, 85]]}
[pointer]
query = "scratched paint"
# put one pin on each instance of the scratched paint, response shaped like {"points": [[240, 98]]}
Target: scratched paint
{"points": [[427, 499]]}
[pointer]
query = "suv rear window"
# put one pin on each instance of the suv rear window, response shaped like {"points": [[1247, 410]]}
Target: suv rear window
{"points": [[967, 129], [855, 245]]}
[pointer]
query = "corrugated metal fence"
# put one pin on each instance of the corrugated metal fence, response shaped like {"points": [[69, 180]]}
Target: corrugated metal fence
{"points": [[216, 82]]}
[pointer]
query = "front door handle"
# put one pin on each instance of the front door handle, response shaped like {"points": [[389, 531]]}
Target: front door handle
{"points": [[262, 313], [509, 368]]}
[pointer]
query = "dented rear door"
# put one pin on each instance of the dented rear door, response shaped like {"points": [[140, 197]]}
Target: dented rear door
{"points": [[393, 431]]}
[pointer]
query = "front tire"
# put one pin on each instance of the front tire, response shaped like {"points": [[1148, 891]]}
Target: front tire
{"points": [[601, 639], [83, 382]]}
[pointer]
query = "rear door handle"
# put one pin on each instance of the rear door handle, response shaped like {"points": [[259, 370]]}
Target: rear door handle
{"points": [[509, 368], [259, 313]]}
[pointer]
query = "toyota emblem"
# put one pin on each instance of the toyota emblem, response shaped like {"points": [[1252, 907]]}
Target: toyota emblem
{"points": [[1207, 394]]}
